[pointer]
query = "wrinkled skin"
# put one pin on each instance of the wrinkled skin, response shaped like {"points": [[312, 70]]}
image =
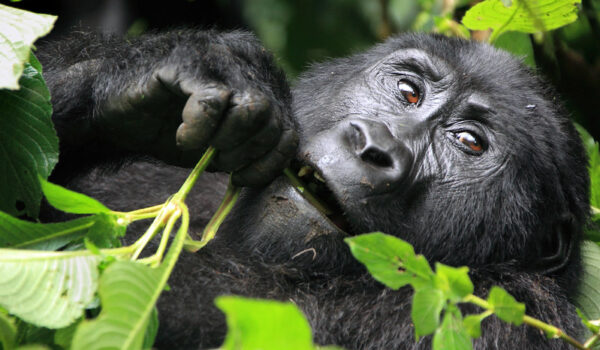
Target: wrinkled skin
{"points": [[451, 145]]}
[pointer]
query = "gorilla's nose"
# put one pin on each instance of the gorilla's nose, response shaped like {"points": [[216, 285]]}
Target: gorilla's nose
{"points": [[375, 145]]}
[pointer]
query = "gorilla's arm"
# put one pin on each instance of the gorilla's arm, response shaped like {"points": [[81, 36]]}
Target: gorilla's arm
{"points": [[169, 96]]}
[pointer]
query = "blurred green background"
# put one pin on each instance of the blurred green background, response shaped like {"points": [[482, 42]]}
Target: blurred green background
{"points": [[301, 32]]}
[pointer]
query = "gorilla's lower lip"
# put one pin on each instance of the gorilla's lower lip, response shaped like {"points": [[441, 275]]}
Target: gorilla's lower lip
{"points": [[315, 183]]}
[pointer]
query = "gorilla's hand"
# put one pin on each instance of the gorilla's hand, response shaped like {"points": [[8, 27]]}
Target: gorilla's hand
{"points": [[190, 101]]}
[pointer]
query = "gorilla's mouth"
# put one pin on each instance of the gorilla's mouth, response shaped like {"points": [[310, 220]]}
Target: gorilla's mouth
{"points": [[326, 202]]}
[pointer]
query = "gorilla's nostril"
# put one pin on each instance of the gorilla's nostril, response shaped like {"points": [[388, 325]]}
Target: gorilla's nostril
{"points": [[376, 157], [357, 137]]}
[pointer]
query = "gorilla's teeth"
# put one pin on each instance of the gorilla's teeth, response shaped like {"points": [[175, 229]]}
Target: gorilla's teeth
{"points": [[305, 170], [318, 177]]}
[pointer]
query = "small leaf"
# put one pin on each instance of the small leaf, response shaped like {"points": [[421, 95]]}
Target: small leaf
{"points": [[258, 324], [426, 308], [505, 306], [454, 280], [18, 30], [106, 231], [452, 335], [8, 332], [71, 201], [48, 289], [390, 260], [472, 324], [518, 44], [527, 16], [28, 143]]}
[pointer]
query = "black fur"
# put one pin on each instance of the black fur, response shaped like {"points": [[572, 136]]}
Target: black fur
{"points": [[513, 213]]}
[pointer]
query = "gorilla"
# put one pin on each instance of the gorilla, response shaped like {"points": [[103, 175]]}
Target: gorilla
{"points": [[452, 145]]}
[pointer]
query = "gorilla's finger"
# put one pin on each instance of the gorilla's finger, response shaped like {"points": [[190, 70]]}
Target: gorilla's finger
{"points": [[248, 112], [255, 147], [265, 169], [201, 116]]}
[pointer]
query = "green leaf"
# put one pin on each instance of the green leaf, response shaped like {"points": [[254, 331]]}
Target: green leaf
{"points": [[472, 324], [15, 233], [8, 332], [18, 30], [527, 16], [505, 306], [426, 307], [106, 231], [519, 44], [151, 330], [455, 281], [390, 260], [28, 142], [593, 153], [128, 293], [452, 335], [64, 336], [48, 289], [588, 296], [71, 201], [264, 324]]}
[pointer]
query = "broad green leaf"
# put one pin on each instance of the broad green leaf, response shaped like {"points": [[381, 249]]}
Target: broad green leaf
{"points": [[48, 289], [472, 324], [8, 332], [33, 347], [15, 233], [71, 201], [151, 330], [505, 306], [527, 16], [383, 255], [128, 293], [452, 335], [28, 143], [593, 153], [264, 324], [426, 307], [519, 44], [64, 336], [455, 281], [18, 30], [588, 297]]}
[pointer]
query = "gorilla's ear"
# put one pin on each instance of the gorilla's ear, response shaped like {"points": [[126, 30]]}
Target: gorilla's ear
{"points": [[557, 251]]}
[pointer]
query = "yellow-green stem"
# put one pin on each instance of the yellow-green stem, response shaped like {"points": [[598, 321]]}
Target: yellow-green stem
{"points": [[164, 239], [590, 342], [231, 196], [547, 328], [168, 209], [301, 188], [195, 174]]}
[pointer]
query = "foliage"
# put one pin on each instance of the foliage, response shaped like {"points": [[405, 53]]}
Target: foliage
{"points": [[19, 30], [50, 286]]}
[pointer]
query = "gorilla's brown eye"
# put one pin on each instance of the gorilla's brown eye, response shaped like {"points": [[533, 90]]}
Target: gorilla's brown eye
{"points": [[469, 140], [409, 92]]}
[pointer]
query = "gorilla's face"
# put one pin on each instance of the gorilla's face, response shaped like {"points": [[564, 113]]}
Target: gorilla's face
{"points": [[456, 150]]}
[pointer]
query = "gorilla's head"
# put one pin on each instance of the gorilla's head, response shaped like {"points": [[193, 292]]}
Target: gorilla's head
{"points": [[449, 144]]}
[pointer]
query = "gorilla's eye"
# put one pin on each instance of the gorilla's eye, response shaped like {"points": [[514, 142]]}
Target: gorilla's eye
{"points": [[409, 91], [470, 140]]}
